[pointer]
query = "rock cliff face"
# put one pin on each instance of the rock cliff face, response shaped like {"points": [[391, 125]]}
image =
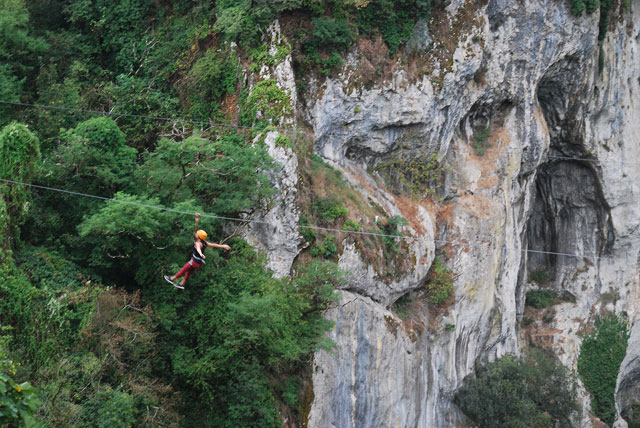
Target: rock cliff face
{"points": [[559, 174]]}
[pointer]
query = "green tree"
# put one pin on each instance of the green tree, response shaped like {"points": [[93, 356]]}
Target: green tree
{"points": [[225, 176], [45, 306], [131, 241], [91, 158], [244, 21], [117, 27], [142, 96], [19, 155], [247, 328], [601, 354], [537, 391], [109, 408]]}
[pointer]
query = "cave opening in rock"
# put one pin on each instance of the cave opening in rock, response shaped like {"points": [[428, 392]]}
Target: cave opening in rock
{"points": [[569, 216], [569, 212]]}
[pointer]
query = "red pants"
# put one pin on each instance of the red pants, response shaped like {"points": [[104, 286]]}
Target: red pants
{"points": [[187, 269]]}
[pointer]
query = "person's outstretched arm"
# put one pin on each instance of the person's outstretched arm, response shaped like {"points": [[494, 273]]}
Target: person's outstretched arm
{"points": [[195, 229], [224, 247]]}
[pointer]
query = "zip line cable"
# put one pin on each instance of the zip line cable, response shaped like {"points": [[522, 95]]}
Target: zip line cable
{"points": [[213, 216], [222, 124], [327, 229]]}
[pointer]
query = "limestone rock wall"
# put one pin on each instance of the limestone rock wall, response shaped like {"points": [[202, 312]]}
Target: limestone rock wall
{"points": [[560, 174]]}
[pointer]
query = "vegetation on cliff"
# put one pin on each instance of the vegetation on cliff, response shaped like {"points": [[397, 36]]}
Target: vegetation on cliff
{"points": [[534, 391], [601, 354]]}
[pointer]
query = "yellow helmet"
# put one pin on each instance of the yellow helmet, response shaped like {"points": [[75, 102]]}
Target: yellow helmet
{"points": [[201, 234]]}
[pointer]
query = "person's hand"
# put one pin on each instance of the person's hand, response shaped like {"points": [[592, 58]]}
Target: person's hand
{"points": [[197, 216], [226, 247]]}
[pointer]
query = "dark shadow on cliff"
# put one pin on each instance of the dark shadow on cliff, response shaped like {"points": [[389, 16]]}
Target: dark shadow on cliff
{"points": [[570, 214]]}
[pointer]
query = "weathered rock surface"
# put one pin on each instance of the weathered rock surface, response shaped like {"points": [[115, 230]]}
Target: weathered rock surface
{"points": [[560, 175], [557, 188], [374, 360], [275, 229], [628, 388]]}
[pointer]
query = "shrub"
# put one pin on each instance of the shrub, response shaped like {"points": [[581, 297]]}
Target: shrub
{"points": [[267, 103], [261, 56], [283, 141], [328, 210], [579, 6], [390, 228], [395, 20], [321, 49], [48, 297], [590, 6], [329, 32], [17, 401], [537, 391], [327, 249], [601, 354], [109, 409], [605, 11], [402, 306], [307, 233], [351, 226], [540, 298], [211, 78], [420, 176], [480, 140], [548, 315], [439, 283], [539, 276]]}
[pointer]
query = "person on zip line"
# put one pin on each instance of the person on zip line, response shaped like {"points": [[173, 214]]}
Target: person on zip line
{"points": [[197, 258]]}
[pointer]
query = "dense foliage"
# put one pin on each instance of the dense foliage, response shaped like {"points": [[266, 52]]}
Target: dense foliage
{"points": [[19, 154], [240, 331], [536, 391], [601, 354]]}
